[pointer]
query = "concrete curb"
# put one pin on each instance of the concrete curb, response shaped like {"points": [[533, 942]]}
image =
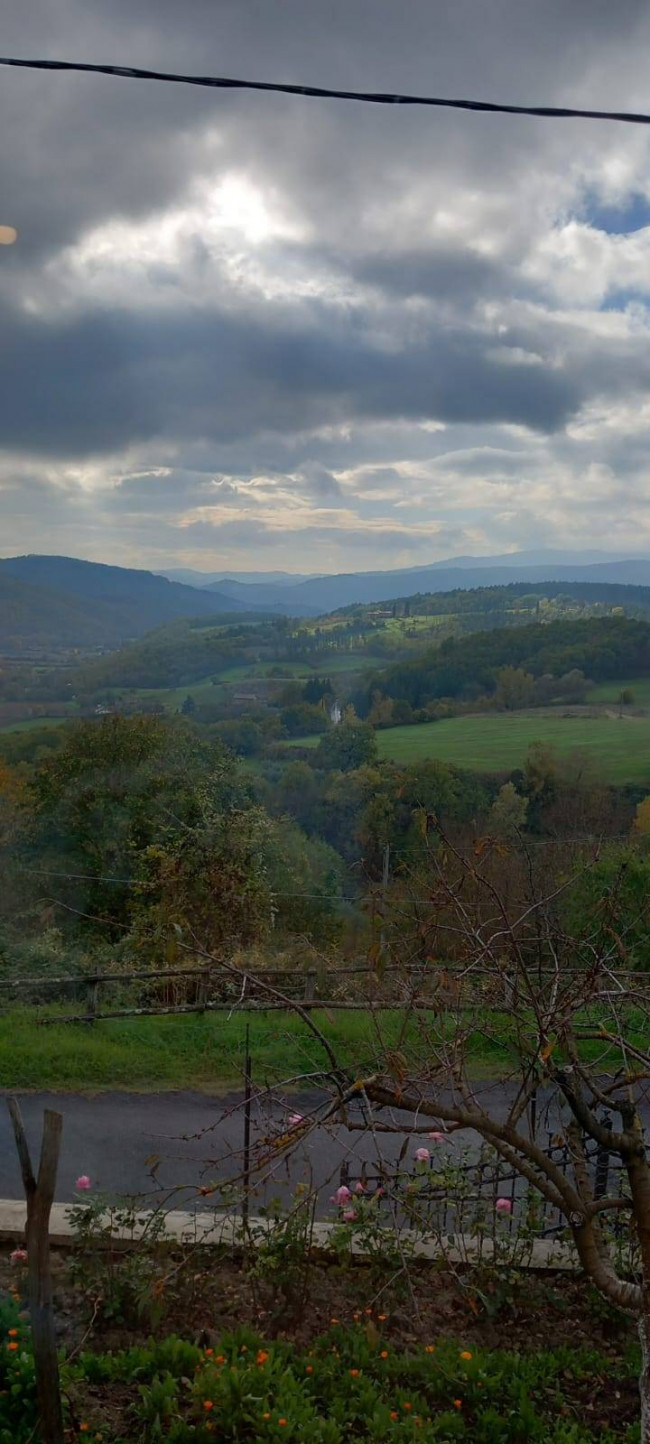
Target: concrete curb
{"points": [[219, 1230]]}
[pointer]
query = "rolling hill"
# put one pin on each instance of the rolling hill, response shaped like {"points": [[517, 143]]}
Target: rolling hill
{"points": [[50, 604]]}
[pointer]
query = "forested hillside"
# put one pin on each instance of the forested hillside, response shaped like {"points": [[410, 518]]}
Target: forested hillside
{"points": [[51, 604], [465, 668]]}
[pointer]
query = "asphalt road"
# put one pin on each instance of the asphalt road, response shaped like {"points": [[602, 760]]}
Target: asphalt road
{"points": [[198, 1140]]}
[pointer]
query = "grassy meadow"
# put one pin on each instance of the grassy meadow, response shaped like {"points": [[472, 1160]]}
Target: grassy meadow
{"points": [[611, 691], [498, 742]]}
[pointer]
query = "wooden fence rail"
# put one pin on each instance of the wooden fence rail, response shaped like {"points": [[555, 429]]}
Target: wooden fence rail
{"points": [[453, 985]]}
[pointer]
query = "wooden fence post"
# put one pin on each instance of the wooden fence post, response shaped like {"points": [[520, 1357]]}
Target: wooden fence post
{"points": [[39, 1194], [92, 1002]]}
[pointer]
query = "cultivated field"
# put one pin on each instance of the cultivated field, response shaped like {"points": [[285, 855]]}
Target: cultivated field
{"points": [[618, 746]]}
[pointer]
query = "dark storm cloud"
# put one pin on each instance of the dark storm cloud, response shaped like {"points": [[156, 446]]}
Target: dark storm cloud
{"points": [[408, 283], [98, 382]]}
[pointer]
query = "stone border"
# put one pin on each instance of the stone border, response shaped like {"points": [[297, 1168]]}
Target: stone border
{"points": [[211, 1229]]}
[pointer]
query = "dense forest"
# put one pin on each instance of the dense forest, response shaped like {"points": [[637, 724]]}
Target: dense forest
{"points": [[146, 836], [515, 597], [467, 668]]}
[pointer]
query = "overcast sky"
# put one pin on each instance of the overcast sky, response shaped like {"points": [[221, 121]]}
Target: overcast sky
{"points": [[257, 331]]}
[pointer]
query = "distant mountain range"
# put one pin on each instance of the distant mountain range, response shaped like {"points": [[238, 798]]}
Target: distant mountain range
{"points": [[318, 595], [302, 595], [54, 603], [206, 579]]}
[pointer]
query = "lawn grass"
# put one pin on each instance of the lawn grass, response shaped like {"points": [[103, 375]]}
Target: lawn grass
{"points": [[206, 1052], [619, 746], [195, 1051], [203, 1052]]}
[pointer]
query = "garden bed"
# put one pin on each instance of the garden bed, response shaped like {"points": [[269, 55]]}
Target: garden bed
{"points": [[340, 1351]]}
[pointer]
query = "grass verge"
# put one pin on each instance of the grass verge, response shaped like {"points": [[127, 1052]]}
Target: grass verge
{"points": [[206, 1052]]}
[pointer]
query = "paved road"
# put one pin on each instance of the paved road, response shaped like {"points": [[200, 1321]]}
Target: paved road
{"points": [[110, 1136]]}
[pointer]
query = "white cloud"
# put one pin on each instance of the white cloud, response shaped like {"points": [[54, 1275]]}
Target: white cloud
{"points": [[237, 320]]}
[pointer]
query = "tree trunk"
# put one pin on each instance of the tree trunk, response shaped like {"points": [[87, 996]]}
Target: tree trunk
{"points": [[39, 1194], [644, 1377]]}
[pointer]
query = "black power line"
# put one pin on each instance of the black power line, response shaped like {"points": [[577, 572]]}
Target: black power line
{"points": [[320, 92]]}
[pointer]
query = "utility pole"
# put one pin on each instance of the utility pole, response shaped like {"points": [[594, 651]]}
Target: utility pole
{"points": [[385, 875]]}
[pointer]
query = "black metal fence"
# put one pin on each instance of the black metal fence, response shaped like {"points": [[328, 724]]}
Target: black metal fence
{"points": [[452, 1195]]}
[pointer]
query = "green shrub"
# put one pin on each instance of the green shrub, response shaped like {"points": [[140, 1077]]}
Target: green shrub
{"points": [[17, 1377]]}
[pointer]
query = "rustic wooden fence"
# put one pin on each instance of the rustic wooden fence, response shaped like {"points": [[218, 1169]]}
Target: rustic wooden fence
{"points": [[227, 987]]}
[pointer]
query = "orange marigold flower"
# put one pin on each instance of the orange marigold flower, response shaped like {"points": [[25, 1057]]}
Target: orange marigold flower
{"points": [[394, 1415], [13, 1333], [354, 1373], [407, 1406], [309, 1368], [356, 1318], [209, 1353], [282, 1422], [208, 1405], [334, 1321], [465, 1354], [383, 1317], [429, 1348], [367, 1311], [384, 1354], [267, 1415], [12, 1348], [262, 1356], [244, 1349], [220, 1359], [458, 1403]]}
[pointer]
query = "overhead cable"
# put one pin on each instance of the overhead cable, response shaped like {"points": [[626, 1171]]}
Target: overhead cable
{"points": [[322, 92]]}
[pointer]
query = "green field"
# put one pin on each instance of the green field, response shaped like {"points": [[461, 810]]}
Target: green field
{"points": [[618, 746], [32, 723], [611, 691]]}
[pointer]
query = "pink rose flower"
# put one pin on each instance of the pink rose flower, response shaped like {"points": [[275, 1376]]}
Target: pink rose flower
{"points": [[342, 1195], [19, 1256], [379, 1192], [350, 1215], [436, 1137], [295, 1120], [422, 1155], [359, 1187], [83, 1182], [503, 1205]]}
